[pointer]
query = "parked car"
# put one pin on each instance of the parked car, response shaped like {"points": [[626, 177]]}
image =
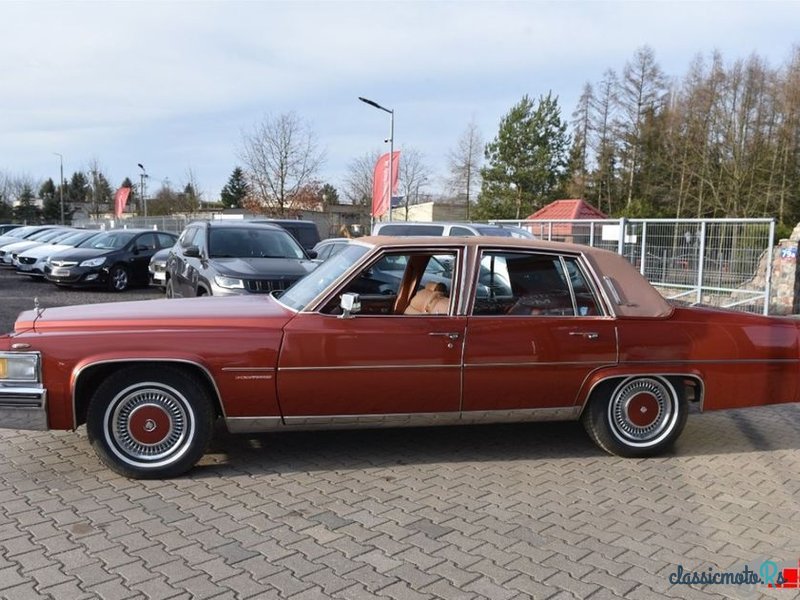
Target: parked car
{"points": [[33, 260], [222, 258], [21, 233], [305, 232], [449, 229], [158, 268], [327, 248], [44, 236], [116, 259], [6, 227], [575, 333]]}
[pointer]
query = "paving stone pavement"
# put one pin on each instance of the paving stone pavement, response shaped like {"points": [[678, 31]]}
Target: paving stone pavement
{"points": [[497, 512]]}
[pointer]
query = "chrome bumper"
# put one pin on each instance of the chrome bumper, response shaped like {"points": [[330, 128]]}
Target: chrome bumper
{"points": [[23, 407]]}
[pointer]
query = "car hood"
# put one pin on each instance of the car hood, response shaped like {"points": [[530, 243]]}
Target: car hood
{"points": [[263, 268], [44, 250], [79, 254], [20, 246], [211, 312]]}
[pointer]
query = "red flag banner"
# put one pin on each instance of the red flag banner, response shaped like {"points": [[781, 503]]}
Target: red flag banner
{"points": [[120, 200], [381, 196]]}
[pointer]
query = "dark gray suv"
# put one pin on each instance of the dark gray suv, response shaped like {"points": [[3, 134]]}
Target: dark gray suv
{"points": [[221, 258]]}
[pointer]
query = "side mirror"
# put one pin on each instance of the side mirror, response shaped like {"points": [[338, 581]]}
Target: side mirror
{"points": [[350, 304], [312, 253], [192, 252]]}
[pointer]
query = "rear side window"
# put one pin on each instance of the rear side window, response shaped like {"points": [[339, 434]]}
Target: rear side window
{"points": [[404, 229], [532, 284], [460, 231]]}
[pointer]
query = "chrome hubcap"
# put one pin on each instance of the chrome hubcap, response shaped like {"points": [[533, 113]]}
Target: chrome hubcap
{"points": [[642, 411], [149, 425]]}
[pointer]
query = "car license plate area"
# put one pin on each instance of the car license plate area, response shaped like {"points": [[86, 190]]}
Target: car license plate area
{"points": [[59, 272], [159, 276]]}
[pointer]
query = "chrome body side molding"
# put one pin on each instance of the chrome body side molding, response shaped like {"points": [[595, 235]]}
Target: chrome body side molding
{"points": [[311, 422]]}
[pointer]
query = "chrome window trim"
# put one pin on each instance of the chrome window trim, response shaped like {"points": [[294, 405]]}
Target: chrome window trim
{"points": [[318, 303]]}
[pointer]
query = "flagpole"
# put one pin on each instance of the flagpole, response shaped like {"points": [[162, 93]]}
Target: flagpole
{"points": [[391, 160]]}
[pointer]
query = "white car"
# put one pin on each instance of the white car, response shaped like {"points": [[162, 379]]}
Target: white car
{"points": [[31, 261], [8, 251]]}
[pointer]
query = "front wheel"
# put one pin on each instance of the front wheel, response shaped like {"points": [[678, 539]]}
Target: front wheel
{"points": [[118, 279], [149, 424], [641, 416]]}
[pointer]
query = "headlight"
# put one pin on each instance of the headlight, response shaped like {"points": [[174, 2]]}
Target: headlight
{"points": [[94, 262], [231, 283], [19, 367]]}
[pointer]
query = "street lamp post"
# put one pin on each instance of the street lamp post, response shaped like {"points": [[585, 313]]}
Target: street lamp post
{"points": [[61, 183], [391, 145], [142, 177]]}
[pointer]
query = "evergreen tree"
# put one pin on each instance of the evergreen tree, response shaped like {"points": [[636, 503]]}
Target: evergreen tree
{"points": [[52, 205], [527, 161], [26, 211], [235, 191], [329, 195]]}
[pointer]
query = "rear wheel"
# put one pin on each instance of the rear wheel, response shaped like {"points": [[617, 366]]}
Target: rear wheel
{"points": [[640, 416], [118, 280], [145, 423]]}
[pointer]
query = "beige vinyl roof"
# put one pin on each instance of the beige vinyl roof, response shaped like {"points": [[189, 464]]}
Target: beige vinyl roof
{"points": [[629, 292]]}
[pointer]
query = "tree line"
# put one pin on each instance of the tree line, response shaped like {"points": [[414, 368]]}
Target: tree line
{"points": [[723, 140]]}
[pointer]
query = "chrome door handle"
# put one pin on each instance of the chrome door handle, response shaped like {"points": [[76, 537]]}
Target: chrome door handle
{"points": [[452, 335], [589, 335]]}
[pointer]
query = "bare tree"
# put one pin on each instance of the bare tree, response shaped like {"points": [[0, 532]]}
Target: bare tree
{"points": [[642, 93], [281, 157], [360, 175], [414, 175], [464, 163], [602, 117], [582, 128]]}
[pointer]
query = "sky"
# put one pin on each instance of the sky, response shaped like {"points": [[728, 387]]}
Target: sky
{"points": [[175, 85]]}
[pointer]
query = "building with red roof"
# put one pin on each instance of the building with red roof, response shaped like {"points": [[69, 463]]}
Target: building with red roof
{"points": [[558, 213]]}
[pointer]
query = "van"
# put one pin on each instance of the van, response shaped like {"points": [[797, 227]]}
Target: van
{"points": [[305, 232], [401, 228]]}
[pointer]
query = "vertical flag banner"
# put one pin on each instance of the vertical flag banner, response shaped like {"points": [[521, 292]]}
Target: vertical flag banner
{"points": [[381, 194], [120, 200]]}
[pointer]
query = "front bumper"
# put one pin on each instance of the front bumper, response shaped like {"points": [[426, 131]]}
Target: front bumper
{"points": [[23, 407], [77, 276]]}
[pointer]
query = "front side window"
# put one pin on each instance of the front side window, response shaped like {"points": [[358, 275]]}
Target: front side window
{"points": [[532, 284], [402, 283]]}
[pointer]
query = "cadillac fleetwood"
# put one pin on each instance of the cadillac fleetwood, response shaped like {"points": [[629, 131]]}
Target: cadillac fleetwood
{"points": [[395, 332]]}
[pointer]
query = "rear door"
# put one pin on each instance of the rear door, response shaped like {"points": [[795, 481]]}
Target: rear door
{"points": [[537, 329]]}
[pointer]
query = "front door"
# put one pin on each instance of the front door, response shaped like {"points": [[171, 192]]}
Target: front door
{"points": [[399, 355]]}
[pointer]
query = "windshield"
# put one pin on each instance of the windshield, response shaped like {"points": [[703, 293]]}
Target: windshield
{"points": [[110, 240], [76, 238], [312, 285], [251, 242]]}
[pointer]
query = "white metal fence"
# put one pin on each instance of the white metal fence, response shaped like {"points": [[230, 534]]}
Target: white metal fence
{"points": [[716, 262]]}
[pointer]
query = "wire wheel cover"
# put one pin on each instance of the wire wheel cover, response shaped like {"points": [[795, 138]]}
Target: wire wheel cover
{"points": [[642, 411], [149, 424]]}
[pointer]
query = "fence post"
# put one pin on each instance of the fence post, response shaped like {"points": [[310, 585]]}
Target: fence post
{"points": [[701, 259], [643, 251], [621, 241], [768, 282]]}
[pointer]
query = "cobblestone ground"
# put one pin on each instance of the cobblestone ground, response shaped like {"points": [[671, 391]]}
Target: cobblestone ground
{"points": [[496, 512], [484, 512]]}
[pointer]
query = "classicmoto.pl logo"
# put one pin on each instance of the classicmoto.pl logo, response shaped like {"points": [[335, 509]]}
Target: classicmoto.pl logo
{"points": [[769, 573]]}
